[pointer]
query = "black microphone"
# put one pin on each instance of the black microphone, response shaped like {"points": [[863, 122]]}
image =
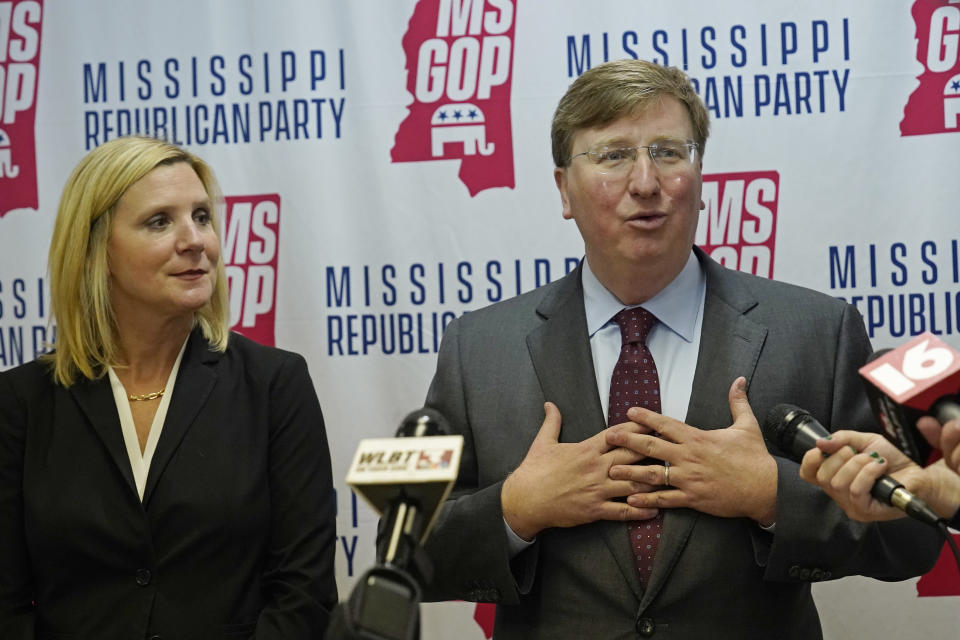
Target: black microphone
{"points": [[795, 432], [408, 515]]}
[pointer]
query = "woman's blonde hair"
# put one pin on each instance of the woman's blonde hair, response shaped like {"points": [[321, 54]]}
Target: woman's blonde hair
{"points": [[86, 337]]}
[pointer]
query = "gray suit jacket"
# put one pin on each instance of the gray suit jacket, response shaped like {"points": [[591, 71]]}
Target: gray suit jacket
{"points": [[713, 577]]}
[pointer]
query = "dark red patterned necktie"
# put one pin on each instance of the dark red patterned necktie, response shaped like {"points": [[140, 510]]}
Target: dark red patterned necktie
{"points": [[635, 383]]}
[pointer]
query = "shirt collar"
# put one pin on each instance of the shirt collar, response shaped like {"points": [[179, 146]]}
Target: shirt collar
{"points": [[676, 306]]}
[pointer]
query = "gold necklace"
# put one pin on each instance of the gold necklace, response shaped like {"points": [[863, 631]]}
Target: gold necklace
{"points": [[146, 396]]}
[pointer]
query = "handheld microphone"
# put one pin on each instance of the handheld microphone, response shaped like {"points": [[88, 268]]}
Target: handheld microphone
{"points": [[795, 432], [918, 378]]}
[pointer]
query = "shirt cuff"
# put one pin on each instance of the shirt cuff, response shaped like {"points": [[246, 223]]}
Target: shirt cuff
{"points": [[515, 544]]}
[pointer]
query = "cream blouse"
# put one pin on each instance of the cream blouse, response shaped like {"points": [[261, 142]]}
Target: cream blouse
{"points": [[140, 462]]}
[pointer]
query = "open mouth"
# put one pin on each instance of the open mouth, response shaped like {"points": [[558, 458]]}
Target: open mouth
{"points": [[646, 218]]}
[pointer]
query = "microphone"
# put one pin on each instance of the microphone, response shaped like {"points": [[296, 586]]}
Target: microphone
{"points": [[795, 432], [404, 479], [918, 378]]}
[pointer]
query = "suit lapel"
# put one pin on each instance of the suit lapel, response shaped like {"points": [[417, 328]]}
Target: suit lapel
{"points": [[95, 399], [730, 346], [560, 352], [195, 381]]}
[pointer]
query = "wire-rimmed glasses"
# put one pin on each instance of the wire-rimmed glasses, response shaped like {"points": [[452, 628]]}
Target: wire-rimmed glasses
{"points": [[670, 155]]}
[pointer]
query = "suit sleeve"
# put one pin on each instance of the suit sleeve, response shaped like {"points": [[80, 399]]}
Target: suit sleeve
{"points": [[468, 546], [16, 584], [298, 576], [814, 539]]}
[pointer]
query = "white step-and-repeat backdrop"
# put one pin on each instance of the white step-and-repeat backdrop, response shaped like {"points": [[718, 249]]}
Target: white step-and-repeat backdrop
{"points": [[387, 166]]}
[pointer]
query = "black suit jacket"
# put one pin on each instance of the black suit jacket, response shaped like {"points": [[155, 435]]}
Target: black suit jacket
{"points": [[235, 535], [712, 577]]}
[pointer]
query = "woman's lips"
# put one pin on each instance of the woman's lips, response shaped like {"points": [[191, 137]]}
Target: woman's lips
{"points": [[191, 274]]}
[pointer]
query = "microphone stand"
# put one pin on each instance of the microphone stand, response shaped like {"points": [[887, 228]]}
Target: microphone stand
{"points": [[385, 603]]}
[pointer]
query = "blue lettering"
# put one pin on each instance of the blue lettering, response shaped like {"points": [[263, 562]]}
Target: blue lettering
{"points": [[464, 293], [143, 72], [898, 250], [578, 62], [708, 62], [387, 274], [927, 250], [288, 69], [846, 275], [217, 65], [660, 37], [170, 67], [496, 292], [318, 68], [246, 85], [94, 91], [737, 32], [338, 293], [417, 271]]}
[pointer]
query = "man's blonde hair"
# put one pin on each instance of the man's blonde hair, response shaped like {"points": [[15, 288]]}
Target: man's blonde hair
{"points": [[86, 339], [619, 88]]}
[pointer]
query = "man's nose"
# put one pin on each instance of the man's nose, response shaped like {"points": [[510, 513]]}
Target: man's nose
{"points": [[644, 176]]}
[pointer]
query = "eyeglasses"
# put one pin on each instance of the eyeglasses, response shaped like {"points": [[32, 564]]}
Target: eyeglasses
{"points": [[669, 156]]}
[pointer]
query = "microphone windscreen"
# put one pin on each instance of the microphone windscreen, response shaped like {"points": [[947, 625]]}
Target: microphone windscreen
{"points": [[423, 422], [776, 424]]}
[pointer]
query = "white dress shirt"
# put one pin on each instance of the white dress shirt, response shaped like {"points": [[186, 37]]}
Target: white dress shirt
{"points": [[674, 341]]}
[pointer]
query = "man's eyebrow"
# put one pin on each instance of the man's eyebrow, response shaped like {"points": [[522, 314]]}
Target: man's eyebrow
{"points": [[623, 141], [619, 141]]}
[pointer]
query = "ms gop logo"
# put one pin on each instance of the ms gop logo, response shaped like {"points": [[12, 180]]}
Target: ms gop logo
{"points": [[459, 55], [738, 224], [934, 107], [251, 232], [20, 22]]}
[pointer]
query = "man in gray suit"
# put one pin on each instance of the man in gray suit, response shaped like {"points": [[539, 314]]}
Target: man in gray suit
{"points": [[548, 490]]}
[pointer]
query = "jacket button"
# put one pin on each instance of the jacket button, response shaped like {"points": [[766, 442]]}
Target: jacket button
{"points": [[646, 627], [816, 575], [143, 577], [794, 571]]}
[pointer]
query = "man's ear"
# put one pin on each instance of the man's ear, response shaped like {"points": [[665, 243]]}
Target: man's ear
{"points": [[560, 176]]}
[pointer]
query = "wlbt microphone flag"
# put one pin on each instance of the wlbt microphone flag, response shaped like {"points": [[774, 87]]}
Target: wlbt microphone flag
{"points": [[416, 466], [921, 377]]}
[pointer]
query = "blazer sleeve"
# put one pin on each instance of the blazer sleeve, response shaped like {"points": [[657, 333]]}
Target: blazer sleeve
{"points": [[814, 539], [469, 548], [16, 585], [298, 579]]}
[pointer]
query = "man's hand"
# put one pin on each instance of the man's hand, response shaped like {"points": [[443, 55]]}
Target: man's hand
{"points": [[567, 484], [723, 472]]}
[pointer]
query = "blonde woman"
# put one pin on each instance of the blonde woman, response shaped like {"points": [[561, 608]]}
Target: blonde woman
{"points": [[160, 477]]}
